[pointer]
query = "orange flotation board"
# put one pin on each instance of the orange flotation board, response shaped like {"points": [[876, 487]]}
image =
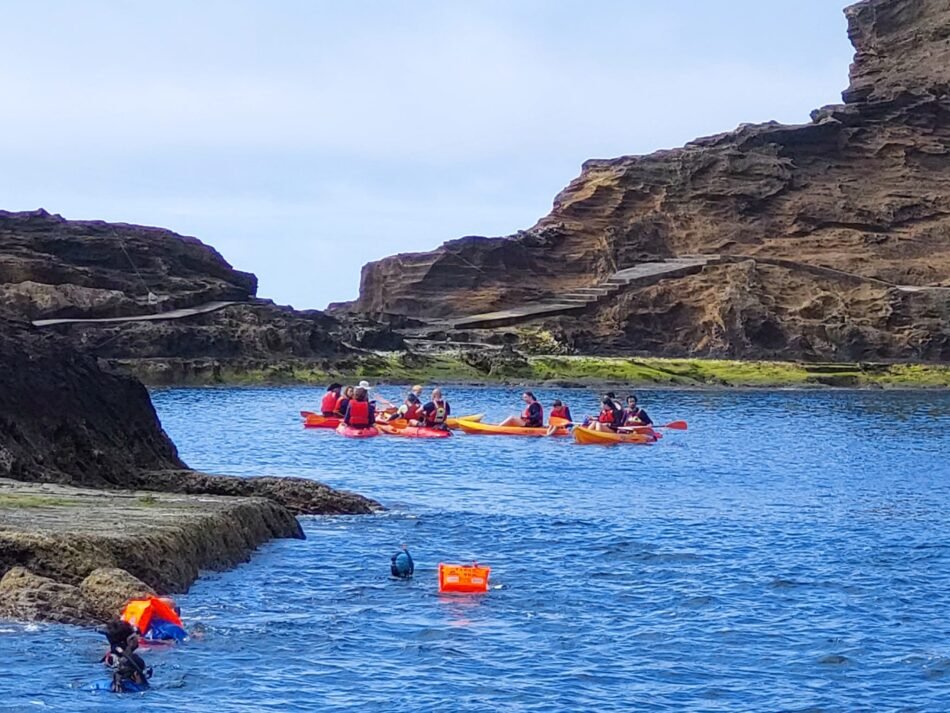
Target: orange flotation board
{"points": [[463, 579], [140, 612]]}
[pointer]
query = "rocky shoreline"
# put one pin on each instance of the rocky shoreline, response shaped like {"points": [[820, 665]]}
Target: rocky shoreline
{"points": [[76, 555], [510, 367]]}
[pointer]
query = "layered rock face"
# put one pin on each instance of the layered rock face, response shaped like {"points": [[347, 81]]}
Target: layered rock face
{"points": [[863, 189], [52, 268]]}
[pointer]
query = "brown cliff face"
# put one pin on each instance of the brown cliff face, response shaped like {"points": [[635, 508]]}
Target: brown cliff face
{"points": [[863, 189]]}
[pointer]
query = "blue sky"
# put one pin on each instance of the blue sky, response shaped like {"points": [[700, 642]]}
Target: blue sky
{"points": [[303, 139]]}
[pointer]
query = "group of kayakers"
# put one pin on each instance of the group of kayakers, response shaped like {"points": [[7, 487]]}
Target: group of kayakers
{"points": [[357, 407]]}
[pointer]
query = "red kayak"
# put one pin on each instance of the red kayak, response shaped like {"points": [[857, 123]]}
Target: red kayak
{"points": [[413, 431], [350, 432]]}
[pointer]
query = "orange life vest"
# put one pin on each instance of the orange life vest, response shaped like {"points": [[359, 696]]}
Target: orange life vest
{"points": [[559, 412], [328, 405], [412, 412], [340, 402], [606, 415], [359, 414]]}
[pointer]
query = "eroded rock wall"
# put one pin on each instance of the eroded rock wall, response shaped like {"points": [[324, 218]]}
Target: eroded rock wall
{"points": [[864, 188]]}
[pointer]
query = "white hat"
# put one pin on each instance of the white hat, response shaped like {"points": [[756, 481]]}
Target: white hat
{"points": [[365, 385]]}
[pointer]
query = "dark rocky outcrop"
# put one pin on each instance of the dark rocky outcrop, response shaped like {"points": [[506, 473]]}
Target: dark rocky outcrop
{"points": [[77, 555], [855, 205], [52, 268], [65, 420]]}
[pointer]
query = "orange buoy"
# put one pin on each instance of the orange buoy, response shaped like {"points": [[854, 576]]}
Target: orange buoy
{"points": [[463, 579], [139, 613]]}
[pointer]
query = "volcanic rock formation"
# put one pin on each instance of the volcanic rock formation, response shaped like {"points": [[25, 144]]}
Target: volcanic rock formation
{"points": [[835, 234], [201, 315]]}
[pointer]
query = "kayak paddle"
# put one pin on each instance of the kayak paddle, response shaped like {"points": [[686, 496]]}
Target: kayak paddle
{"points": [[673, 425]]}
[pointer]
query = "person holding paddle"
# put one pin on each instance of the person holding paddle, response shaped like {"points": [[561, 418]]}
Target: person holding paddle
{"points": [[633, 415]]}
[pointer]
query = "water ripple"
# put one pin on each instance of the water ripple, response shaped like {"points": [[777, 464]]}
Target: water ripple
{"points": [[790, 552]]}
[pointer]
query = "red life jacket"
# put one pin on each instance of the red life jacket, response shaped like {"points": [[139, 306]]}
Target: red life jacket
{"points": [[606, 415], [526, 416], [340, 403], [359, 414], [328, 405], [559, 412], [412, 412]]}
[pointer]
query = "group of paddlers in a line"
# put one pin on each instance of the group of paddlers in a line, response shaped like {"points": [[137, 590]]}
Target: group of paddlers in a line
{"points": [[358, 409]]}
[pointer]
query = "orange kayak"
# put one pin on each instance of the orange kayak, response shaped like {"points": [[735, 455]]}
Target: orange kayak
{"points": [[585, 436], [491, 429], [315, 420]]}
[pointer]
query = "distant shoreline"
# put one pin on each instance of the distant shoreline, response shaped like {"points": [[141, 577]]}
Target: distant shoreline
{"points": [[563, 371]]}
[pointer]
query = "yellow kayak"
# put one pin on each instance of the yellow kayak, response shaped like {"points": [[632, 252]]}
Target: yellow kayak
{"points": [[492, 429], [586, 436], [454, 422]]}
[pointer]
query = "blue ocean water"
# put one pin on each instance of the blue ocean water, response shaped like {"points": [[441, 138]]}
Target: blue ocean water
{"points": [[790, 552]]}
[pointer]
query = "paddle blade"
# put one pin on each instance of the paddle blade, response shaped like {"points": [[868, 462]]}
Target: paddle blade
{"points": [[676, 425], [559, 422], [307, 414]]}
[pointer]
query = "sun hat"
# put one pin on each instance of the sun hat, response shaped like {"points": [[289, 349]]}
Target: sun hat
{"points": [[365, 385]]}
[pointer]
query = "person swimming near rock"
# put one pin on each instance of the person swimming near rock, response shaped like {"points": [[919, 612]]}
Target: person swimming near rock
{"points": [[531, 417], [129, 671], [401, 564], [330, 398]]}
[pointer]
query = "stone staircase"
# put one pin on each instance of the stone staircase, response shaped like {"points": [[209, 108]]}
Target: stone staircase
{"points": [[642, 275]]}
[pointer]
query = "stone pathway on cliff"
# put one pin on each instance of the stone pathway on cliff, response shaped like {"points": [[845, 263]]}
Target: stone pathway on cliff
{"points": [[158, 316], [641, 275]]}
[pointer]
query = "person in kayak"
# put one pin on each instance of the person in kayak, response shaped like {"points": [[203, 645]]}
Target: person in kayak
{"points": [[126, 665], [531, 417], [344, 401], [560, 410], [633, 415], [330, 398], [610, 417], [411, 410], [417, 390], [360, 413], [435, 413]]}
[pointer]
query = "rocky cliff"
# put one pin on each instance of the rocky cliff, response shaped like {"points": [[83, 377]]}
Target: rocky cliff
{"points": [[201, 316], [836, 232]]}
